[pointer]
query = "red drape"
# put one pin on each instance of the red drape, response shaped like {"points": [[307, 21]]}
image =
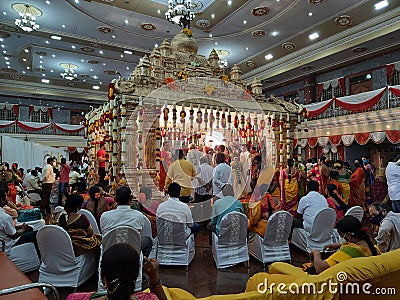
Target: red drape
{"points": [[335, 139], [340, 151], [28, 128], [67, 130], [342, 85], [294, 143], [312, 141], [360, 106], [314, 113], [393, 136], [7, 125], [320, 88], [30, 109], [71, 149], [16, 110], [362, 138], [395, 91], [50, 112], [389, 72]]}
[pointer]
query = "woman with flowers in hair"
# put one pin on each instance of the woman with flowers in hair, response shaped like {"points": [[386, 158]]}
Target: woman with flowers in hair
{"points": [[343, 178], [358, 244], [289, 183]]}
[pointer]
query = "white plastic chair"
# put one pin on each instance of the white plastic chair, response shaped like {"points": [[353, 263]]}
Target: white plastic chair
{"points": [[23, 256], [122, 235], [60, 267], [321, 234], [275, 244], [356, 211], [170, 246], [91, 219], [58, 208], [230, 246]]}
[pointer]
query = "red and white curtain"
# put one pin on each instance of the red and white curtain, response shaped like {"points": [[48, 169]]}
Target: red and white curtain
{"points": [[35, 126], [390, 68], [334, 83], [8, 106], [34, 108], [362, 138], [354, 103]]}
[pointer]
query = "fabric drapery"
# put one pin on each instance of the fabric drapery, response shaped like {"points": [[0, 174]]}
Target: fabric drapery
{"points": [[318, 108], [362, 138], [335, 139], [312, 142], [32, 126], [360, 102], [334, 83], [395, 90], [378, 137], [323, 141], [4, 124], [393, 136], [68, 127], [347, 139]]}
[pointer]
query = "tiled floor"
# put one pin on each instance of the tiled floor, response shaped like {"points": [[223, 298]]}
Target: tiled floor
{"points": [[202, 279]]}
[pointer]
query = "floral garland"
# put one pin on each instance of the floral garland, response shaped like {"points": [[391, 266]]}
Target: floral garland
{"points": [[223, 120], [170, 82], [182, 75], [217, 118], [182, 116]]}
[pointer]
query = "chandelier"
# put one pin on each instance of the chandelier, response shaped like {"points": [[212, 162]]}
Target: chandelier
{"points": [[222, 63], [180, 12], [28, 15]]}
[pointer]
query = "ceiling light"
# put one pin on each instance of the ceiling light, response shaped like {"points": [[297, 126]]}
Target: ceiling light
{"points": [[2, 46], [24, 59], [310, 14], [27, 16], [104, 64], [91, 70], [40, 56], [63, 26], [73, 47], [274, 33], [101, 52], [244, 22], [6, 58], [229, 2], [45, 80], [158, 11], [247, 48], [40, 66], [48, 2], [28, 68], [156, 45], [122, 56], [1, 39], [69, 74], [47, 42], [7, 62], [210, 35], [100, 83], [127, 52], [113, 36], [84, 80], [82, 60], [23, 72], [216, 43], [313, 36], [180, 12], [96, 87], [41, 61], [95, 77], [4, 51], [381, 4], [4, 13], [127, 68], [126, 22], [53, 55], [77, 1], [56, 37], [44, 75], [212, 16], [51, 71], [26, 50], [269, 56]]}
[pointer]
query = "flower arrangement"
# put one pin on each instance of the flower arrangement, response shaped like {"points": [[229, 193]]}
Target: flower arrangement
{"points": [[236, 122], [199, 117], [225, 78], [246, 95], [182, 116], [188, 32], [171, 83], [182, 75], [166, 112]]}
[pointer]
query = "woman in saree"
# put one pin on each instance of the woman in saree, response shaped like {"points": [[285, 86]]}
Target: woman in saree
{"points": [[77, 226], [289, 181], [344, 179], [358, 244], [260, 211], [335, 201], [357, 185], [320, 173]]}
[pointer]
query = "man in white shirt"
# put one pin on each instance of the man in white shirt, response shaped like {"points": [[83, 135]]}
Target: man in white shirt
{"points": [[393, 182], [48, 178], [203, 181], [180, 211], [124, 215], [222, 175], [309, 206], [32, 187]]}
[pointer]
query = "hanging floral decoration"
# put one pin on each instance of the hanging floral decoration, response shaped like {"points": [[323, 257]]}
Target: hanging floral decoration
{"points": [[212, 118], [174, 111], [217, 118], [262, 124], [111, 91], [223, 120], [305, 113], [205, 119], [166, 112], [199, 118], [235, 122], [248, 123], [182, 116], [225, 78]]}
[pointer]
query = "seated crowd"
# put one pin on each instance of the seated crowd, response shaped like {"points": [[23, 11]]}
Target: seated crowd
{"points": [[192, 180]]}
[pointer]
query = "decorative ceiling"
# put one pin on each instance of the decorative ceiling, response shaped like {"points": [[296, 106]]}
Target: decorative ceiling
{"points": [[275, 40]]}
